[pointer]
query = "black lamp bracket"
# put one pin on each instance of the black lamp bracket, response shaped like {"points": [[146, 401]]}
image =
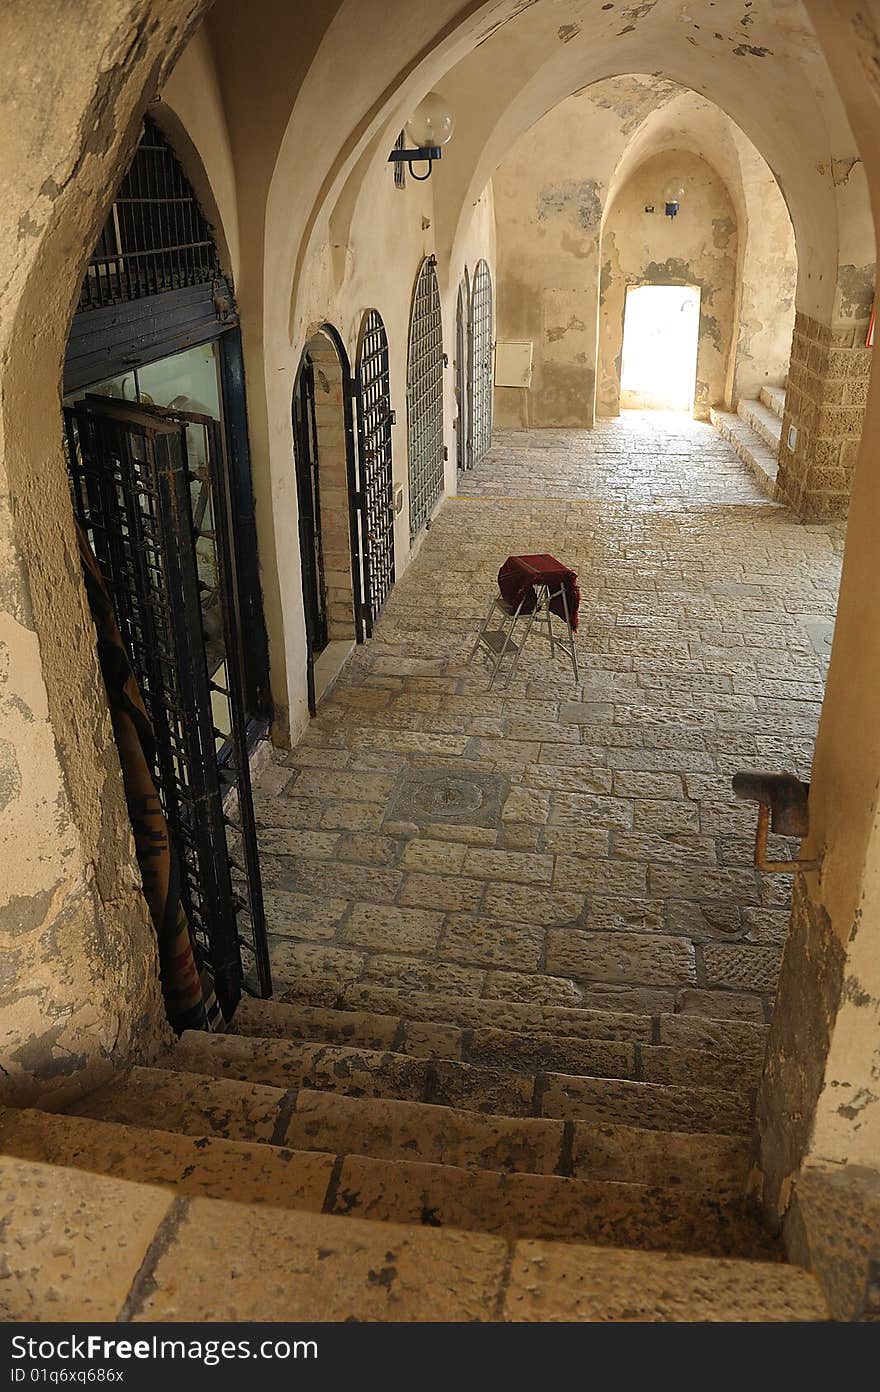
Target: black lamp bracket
{"points": [[427, 154]]}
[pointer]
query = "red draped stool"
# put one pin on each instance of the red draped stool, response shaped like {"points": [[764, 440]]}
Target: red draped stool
{"points": [[531, 591]]}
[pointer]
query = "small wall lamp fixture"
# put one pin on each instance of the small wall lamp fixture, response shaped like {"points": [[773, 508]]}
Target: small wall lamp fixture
{"points": [[429, 128], [673, 197]]}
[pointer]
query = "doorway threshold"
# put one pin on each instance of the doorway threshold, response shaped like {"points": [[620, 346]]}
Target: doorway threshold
{"points": [[329, 665]]}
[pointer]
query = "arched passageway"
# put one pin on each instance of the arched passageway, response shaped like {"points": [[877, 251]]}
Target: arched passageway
{"points": [[317, 230]]}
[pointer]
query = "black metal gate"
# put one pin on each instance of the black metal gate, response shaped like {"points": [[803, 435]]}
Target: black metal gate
{"points": [[376, 487], [462, 394], [151, 489], [309, 501], [481, 339], [424, 398]]}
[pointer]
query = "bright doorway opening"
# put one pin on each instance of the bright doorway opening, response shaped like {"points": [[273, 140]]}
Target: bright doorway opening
{"points": [[659, 365]]}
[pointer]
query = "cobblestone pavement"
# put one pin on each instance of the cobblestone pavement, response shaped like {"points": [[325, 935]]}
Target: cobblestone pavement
{"points": [[553, 843]]}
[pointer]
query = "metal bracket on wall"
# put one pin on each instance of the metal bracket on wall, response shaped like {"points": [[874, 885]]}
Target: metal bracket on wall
{"points": [[783, 807]]}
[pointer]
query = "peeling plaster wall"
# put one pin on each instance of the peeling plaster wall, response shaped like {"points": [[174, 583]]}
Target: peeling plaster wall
{"points": [[552, 192], [698, 247], [550, 196]]}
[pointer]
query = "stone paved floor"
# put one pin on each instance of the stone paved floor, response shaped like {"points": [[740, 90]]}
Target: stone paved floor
{"points": [[556, 843]]}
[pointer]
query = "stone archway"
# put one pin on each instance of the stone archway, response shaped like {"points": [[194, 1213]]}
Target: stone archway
{"points": [[85, 983]]}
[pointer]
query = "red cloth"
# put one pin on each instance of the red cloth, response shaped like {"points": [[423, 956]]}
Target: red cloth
{"points": [[519, 575]]}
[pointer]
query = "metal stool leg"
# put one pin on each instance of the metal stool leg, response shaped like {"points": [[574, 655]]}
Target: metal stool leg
{"points": [[484, 626], [515, 663], [550, 634], [571, 647]]}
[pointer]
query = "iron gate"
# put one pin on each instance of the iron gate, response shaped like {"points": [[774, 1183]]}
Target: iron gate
{"points": [[151, 489], [462, 394], [481, 335], [309, 504], [376, 491], [424, 398]]}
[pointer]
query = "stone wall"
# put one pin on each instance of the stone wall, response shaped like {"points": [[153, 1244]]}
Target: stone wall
{"points": [[825, 403]]}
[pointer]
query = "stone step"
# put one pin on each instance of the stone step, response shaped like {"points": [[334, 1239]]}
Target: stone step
{"points": [[87, 1248], [763, 421], [724, 1035], [197, 1105], [507, 1205], [199, 1166], [500, 1048], [508, 1091], [774, 398], [760, 461]]}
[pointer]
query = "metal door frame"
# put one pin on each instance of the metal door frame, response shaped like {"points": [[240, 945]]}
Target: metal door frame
{"points": [[482, 323], [348, 397], [424, 398], [375, 495], [131, 485]]}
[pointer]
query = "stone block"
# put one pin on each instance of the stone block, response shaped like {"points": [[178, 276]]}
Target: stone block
{"points": [[650, 958]]}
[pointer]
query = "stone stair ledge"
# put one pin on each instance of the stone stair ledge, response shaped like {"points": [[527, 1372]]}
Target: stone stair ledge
{"points": [[429, 1007], [774, 398], [666, 1061], [760, 460], [512, 1206], [134, 1252], [196, 1105], [764, 421], [366, 1073]]}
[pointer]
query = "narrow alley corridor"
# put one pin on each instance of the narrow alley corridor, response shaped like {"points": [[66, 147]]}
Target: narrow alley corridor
{"points": [[551, 844]]}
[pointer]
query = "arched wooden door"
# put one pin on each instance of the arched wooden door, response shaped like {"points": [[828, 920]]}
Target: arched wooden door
{"points": [[424, 398], [376, 486], [481, 342]]}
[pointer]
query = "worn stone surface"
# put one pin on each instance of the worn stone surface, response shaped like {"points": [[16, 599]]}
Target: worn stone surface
{"points": [[240, 1263], [655, 1107], [570, 845], [636, 1155], [207, 1167], [72, 1242], [559, 1282], [192, 1104], [540, 1206], [440, 1135]]}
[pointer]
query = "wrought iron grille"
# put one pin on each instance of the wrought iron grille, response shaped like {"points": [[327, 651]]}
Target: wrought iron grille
{"points": [[150, 488], [156, 237], [376, 492], [462, 375], [424, 398], [308, 488], [481, 337]]}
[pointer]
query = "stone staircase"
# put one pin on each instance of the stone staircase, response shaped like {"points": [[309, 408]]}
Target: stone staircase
{"points": [[364, 1154], [755, 432]]}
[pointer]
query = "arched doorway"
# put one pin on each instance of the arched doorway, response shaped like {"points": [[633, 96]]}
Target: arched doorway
{"points": [[157, 451], [462, 374], [424, 398], [323, 436], [481, 345], [376, 491]]}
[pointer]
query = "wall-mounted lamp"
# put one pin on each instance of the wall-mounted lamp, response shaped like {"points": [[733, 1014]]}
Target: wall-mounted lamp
{"points": [[429, 128], [673, 197]]}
